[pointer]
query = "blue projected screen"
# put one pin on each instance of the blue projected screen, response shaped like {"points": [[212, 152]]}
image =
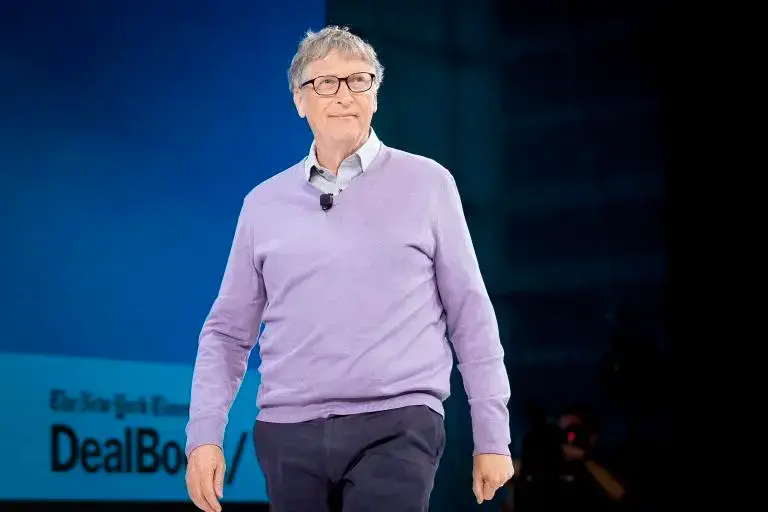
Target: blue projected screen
{"points": [[130, 133]]}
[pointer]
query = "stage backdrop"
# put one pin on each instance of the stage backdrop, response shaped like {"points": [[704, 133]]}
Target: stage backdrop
{"points": [[129, 134]]}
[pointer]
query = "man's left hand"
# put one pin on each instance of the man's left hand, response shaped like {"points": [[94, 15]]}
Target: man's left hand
{"points": [[490, 471], [571, 452]]}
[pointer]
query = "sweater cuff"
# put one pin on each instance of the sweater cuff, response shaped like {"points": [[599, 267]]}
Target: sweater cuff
{"points": [[205, 431], [491, 449], [490, 427]]}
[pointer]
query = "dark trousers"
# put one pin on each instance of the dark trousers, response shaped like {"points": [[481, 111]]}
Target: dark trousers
{"points": [[379, 461]]}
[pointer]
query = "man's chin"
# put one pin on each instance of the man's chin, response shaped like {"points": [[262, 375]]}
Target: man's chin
{"points": [[346, 136]]}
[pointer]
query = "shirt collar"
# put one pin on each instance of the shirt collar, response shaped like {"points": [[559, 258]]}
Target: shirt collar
{"points": [[364, 155]]}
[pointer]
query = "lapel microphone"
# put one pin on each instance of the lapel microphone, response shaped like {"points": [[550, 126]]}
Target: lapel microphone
{"points": [[326, 202]]}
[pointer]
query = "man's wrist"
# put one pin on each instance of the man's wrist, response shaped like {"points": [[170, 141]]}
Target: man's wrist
{"points": [[491, 450]]}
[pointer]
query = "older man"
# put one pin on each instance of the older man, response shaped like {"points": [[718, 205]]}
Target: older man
{"points": [[359, 263]]}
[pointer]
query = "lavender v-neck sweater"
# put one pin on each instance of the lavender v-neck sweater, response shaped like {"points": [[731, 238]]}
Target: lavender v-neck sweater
{"points": [[357, 303]]}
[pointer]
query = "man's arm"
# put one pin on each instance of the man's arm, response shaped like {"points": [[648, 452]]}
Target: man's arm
{"points": [[472, 325], [227, 337], [608, 483], [612, 487]]}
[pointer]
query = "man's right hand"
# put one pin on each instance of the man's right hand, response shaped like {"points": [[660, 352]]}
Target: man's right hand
{"points": [[205, 477]]}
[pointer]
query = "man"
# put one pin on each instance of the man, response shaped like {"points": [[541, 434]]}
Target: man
{"points": [[358, 261], [559, 470]]}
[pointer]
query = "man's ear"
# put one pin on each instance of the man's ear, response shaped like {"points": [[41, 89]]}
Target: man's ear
{"points": [[298, 100], [375, 102]]}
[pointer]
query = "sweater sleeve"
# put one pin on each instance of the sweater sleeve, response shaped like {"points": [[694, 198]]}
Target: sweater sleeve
{"points": [[227, 337], [471, 321]]}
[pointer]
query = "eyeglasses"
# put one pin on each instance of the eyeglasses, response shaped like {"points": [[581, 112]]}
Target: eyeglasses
{"points": [[329, 85]]}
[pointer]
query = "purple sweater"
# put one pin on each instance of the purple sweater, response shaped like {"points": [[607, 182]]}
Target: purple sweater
{"points": [[357, 302]]}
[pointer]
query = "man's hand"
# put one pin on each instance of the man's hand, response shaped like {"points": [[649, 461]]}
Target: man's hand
{"points": [[205, 477], [489, 473], [571, 452]]}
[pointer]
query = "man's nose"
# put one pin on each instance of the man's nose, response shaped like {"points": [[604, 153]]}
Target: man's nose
{"points": [[343, 94]]}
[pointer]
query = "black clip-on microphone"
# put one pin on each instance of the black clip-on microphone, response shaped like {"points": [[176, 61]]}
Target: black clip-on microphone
{"points": [[326, 202]]}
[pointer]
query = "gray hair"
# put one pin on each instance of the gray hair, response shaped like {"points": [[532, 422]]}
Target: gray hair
{"points": [[317, 45]]}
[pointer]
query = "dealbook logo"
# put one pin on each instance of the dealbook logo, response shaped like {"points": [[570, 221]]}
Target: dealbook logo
{"points": [[139, 450], [127, 449]]}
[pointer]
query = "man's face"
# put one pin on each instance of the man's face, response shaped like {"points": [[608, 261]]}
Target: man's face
{"points": [[344, 117], [569, 421], [573, 423]]}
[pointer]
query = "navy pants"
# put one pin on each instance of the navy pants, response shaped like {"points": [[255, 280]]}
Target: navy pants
{"points": [[378, 461]]}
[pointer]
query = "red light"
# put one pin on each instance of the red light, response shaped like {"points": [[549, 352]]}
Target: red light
{"points": [[571, 437]]}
